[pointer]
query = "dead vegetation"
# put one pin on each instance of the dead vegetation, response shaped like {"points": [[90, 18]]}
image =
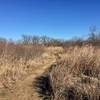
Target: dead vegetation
{"points": [[77, 75], [16, 62], [35, 72]]}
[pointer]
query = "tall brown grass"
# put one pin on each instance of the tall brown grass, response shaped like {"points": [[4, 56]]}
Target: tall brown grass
{"points": [[15, 62], [74, 76], [77, 75]]}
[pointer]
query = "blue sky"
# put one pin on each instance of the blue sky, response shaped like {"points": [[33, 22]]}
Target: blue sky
{"points": [[54, 18]]}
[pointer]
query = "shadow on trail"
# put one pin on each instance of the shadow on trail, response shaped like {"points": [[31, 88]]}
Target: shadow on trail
{"points": [[43, 87]]}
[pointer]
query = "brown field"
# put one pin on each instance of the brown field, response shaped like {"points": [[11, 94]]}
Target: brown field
{"points": [[49, 73]]}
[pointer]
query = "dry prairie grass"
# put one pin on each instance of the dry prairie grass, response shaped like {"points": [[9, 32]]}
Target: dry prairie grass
{"points": [[16, 63], [74, 73], [77, 75]]}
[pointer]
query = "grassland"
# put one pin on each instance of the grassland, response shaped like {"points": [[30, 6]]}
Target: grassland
{"points": [[49, 73]]}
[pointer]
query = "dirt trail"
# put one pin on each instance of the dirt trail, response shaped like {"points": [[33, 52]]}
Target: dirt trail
{"points": [[25, 89]]}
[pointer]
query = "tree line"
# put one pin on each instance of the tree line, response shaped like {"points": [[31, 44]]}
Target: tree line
{"points": [[93, 39]]}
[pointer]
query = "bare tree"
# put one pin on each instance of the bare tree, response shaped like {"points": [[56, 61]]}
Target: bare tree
{"points": [[35, 40], [45, 40], [94, 37], [26, 39]]}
